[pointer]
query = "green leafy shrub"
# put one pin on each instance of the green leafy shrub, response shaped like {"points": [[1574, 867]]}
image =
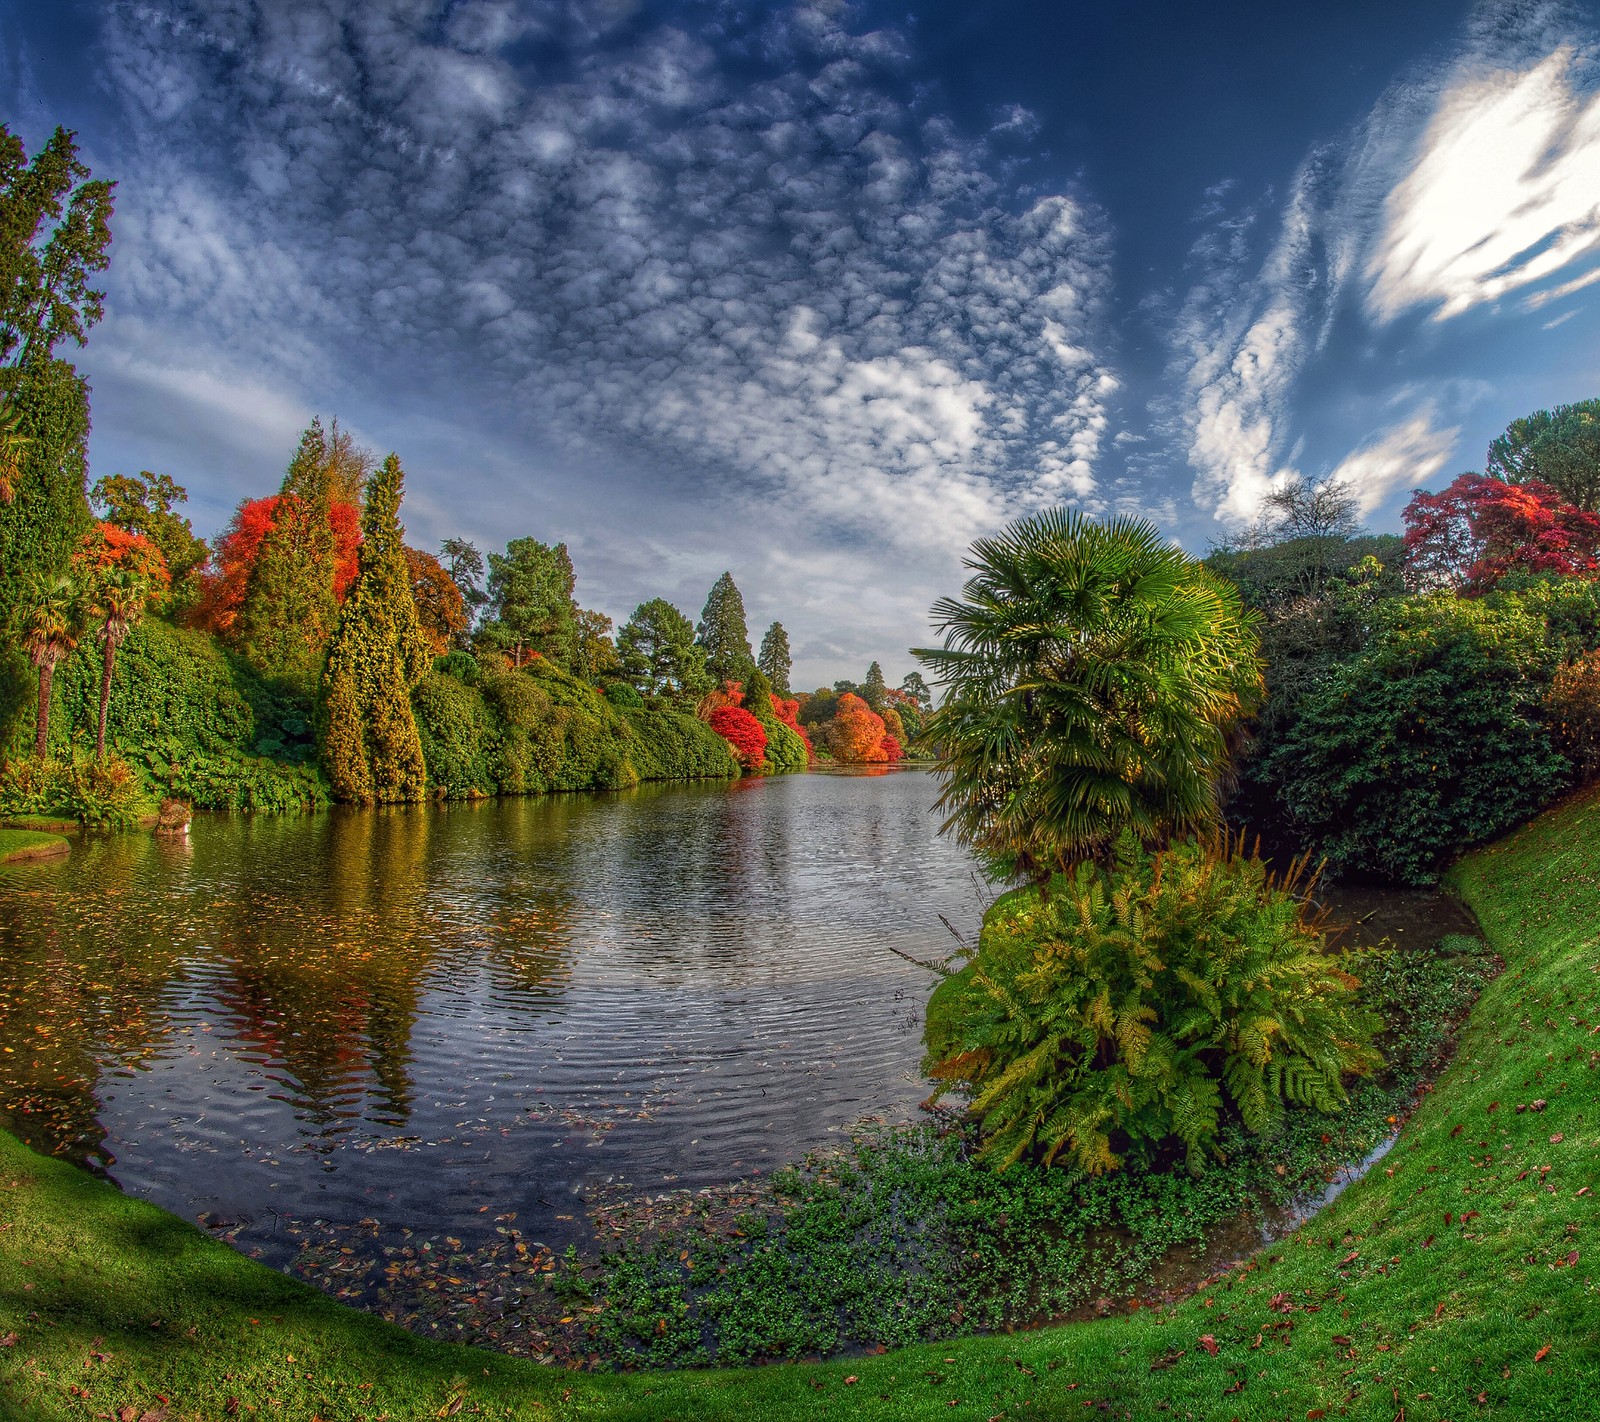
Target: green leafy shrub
{"points": [[106, 794], [460, 738], [463, 666], [1130, 1008], [670, 745], [619, 693], [1430, 738]]}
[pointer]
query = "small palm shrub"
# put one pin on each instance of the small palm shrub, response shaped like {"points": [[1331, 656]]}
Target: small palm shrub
{"points": [[103, 793], [1130, 1008]]}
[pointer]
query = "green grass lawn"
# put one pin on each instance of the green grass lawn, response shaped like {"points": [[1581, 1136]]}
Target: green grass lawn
{"points": [[30, 844], [1457, 1281]]}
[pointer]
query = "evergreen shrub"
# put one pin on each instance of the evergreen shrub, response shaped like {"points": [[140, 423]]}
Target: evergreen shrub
{"points": [[1130, 1009], [1432, 736]]}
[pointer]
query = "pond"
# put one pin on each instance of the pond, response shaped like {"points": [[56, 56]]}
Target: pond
{"points": [[437, 1016]]}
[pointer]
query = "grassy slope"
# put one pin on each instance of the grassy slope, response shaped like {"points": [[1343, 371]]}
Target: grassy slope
{"points": [[30, 844], [1386, 1303]]}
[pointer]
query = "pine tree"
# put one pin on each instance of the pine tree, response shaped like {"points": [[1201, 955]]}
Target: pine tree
{"points": [[873, 688], [775, 660], [370, 747], [289, 606], [530, 593], [723, 634], [659, 654]]}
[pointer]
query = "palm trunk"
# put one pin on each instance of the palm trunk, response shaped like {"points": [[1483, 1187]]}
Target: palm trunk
{"points": [[47, 674], [105, 699]]}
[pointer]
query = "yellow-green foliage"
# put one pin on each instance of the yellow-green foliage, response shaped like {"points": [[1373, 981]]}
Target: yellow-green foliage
{"points": [[542, 729], [370, 747], [1125, 1007], [105, 793]]}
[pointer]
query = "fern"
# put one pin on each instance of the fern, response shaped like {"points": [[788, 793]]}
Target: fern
{"points": [[1132, 1008]]}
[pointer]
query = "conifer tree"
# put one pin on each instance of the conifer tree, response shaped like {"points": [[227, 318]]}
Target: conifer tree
{"points": [[873, 688], [370, 747], [659, 654], [723, 634], [530, 595], [289, 606], [775, 660]]}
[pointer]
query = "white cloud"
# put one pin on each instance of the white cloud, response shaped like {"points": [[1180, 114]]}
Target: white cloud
{"points": [[1504, 191], [1406, 456], [733, 259]]}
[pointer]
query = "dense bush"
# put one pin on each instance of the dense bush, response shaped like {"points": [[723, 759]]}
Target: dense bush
{"points": [[106, 794], [1430, 738], [182, 716], [619, 693], [542, 729], [1146, 1004]]}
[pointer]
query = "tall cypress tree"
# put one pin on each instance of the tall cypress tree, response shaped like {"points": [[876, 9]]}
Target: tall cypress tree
{"points": [[723, 634], [370, 747], [774, 659], [873, 687], [289, 608]]}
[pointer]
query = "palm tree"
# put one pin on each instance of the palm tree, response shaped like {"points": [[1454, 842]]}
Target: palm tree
{"points": [[1093, 674], [49, 632], [117, 597], [13, 444]]}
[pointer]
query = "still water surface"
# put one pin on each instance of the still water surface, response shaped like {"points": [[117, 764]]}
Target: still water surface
{"points": [[436, 1015]]}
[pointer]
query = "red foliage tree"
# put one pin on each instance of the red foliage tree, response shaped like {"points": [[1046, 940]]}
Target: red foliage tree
{"points": [[743, 732], [1472, 534], [858, 733], [222, 585], [891, 749], [789, 713]]}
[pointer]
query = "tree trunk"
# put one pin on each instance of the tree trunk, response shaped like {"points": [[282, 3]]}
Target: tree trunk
{"points": [[47, 674], [105, 699]]}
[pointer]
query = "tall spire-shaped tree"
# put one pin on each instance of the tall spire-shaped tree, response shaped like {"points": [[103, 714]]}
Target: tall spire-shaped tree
{"points": [[775, 660], [370, 747], [289, 607], [723, 634], [873, 688]]}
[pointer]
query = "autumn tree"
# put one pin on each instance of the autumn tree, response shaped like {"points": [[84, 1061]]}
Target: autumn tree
{"points": [[224, 582], [723, 634], [1480, 529], [144, 504], [1559, 448], [857, 734], [287, 612], [117, 574], [774, 659], [370, 747], [531, 602], [441, 610], [743, 732], [50, 631], [659, 654]]}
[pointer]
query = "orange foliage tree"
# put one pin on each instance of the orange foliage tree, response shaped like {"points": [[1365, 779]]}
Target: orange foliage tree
{"points": [[222, 585], [441, 610], [859, 736]]}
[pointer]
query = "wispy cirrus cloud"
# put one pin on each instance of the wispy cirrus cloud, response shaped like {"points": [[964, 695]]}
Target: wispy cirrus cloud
{"points": [[727, 253], [1475, 178]]}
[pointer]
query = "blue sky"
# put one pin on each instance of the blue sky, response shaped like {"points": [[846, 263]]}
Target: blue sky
{"points": [[820, 292]]}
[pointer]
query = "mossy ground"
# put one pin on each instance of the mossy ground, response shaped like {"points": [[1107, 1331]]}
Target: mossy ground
{"points": [[1460, 1280], [17, 844]]}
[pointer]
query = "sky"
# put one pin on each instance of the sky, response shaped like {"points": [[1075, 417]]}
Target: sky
{"points": [[817, 292]]}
